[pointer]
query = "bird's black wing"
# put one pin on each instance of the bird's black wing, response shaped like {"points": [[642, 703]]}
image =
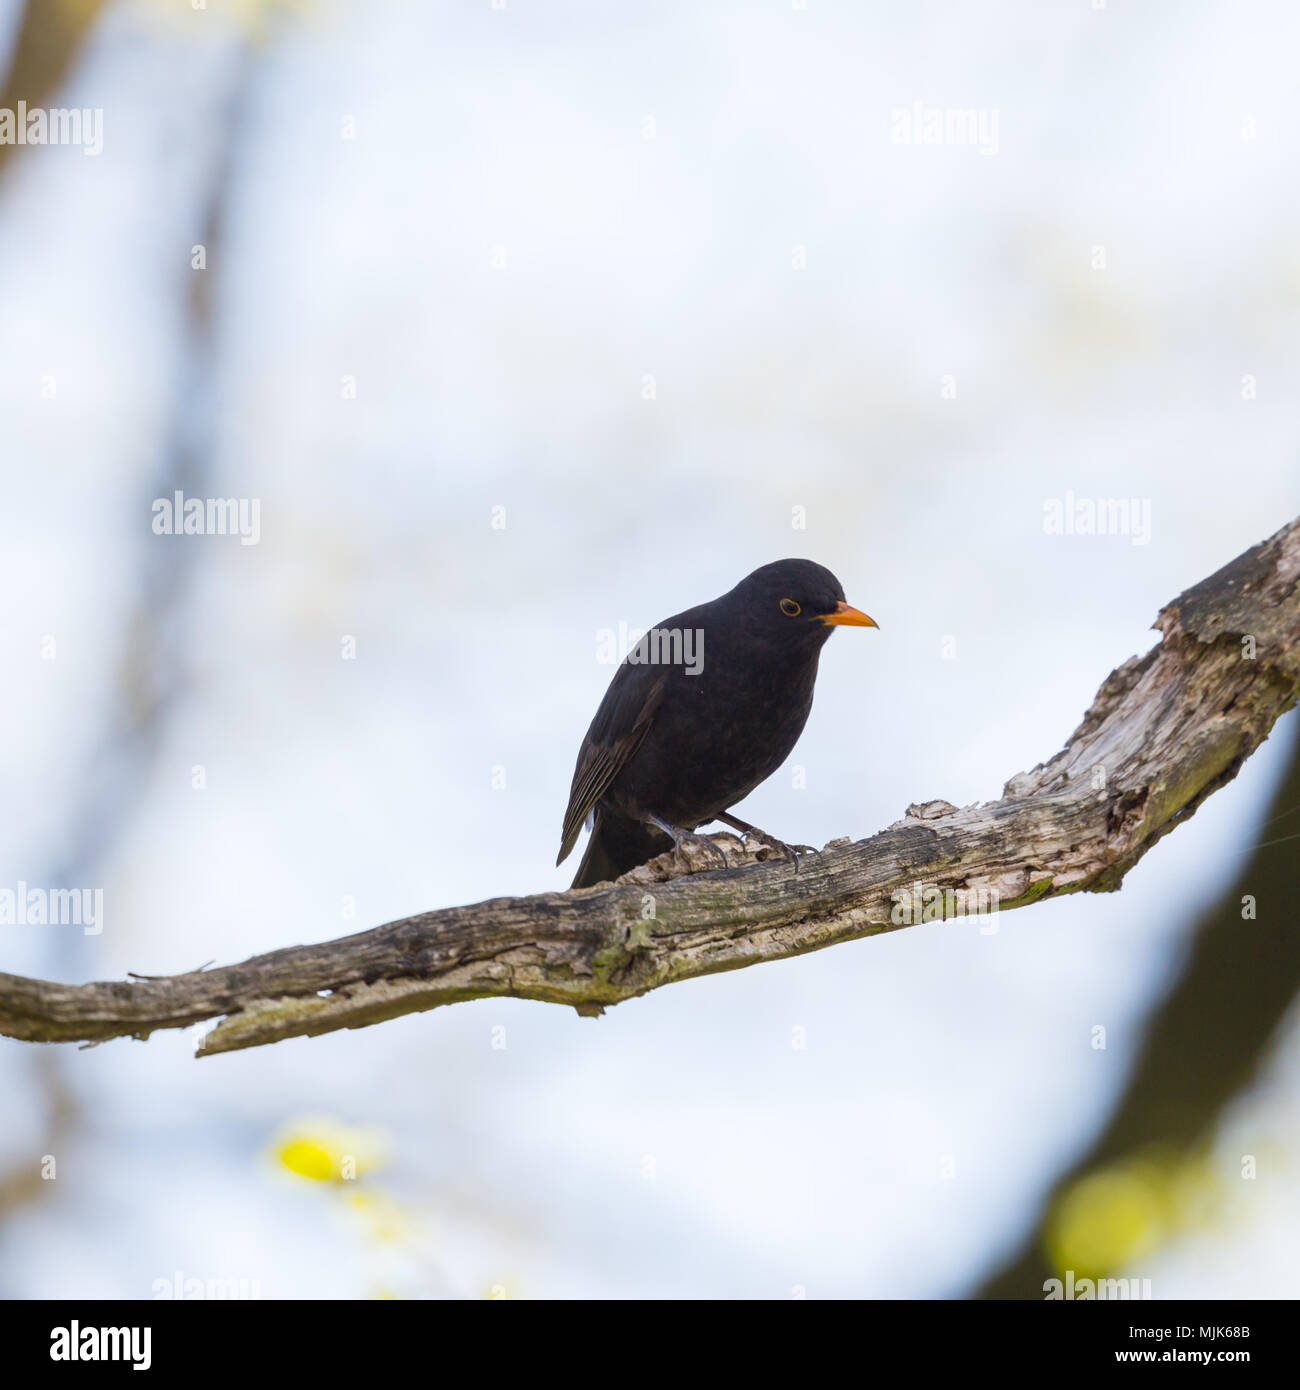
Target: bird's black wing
{"points": [[621, 722]]}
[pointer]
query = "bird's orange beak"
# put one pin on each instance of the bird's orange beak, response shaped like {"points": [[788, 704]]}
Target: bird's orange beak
{"points": [[845, 616]]}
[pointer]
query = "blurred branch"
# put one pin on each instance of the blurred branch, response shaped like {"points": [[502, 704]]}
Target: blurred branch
{"points": [[47, 47], [49, 37], [1165, 731], [24, 1182], [1206, 1039], [152, 669]]}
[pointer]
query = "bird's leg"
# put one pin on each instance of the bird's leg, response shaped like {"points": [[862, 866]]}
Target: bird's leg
{"points": [[762, 837], [679, 836]]}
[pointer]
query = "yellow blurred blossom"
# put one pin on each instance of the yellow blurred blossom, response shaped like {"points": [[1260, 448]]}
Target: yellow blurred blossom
{"points": [[326, 1150], [1116, 1215]]}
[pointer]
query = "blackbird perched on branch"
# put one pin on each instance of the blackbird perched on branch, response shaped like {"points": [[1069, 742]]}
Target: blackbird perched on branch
{"points": [[706, 706]]}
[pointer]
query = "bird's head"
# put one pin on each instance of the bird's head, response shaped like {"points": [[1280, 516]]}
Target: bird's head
{"points": [[797, 601]]}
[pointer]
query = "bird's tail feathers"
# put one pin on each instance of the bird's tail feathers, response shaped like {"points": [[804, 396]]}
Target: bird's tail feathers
{"points": [[617, 845]]}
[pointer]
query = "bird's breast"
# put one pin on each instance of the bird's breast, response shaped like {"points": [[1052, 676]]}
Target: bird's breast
{"points": [[717, 735]]}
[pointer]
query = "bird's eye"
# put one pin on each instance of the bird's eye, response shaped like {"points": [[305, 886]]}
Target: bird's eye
{"points": [[790, 608]]}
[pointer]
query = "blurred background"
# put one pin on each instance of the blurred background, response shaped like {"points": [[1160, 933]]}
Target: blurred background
{"points": [[519, 321]]}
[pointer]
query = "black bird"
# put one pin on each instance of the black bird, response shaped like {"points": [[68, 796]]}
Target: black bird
{"points": [[706, 706]]}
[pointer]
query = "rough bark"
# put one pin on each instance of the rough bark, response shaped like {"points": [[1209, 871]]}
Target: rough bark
{"points": [[1165, 731]]}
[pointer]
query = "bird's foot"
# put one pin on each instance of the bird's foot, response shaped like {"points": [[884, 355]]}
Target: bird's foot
{"points": [[682, 837], [790, 852]]}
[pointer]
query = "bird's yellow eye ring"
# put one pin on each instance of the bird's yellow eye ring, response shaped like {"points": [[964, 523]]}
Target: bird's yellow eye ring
{"points": [[790, 608]]}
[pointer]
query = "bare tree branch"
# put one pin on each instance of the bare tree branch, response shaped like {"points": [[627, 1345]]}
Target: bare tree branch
{"points": [[1165, 731]]}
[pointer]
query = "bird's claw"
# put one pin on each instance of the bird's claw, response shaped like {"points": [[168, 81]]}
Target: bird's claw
{"points": [[789, 852], [690, 835], [680, 836]]}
